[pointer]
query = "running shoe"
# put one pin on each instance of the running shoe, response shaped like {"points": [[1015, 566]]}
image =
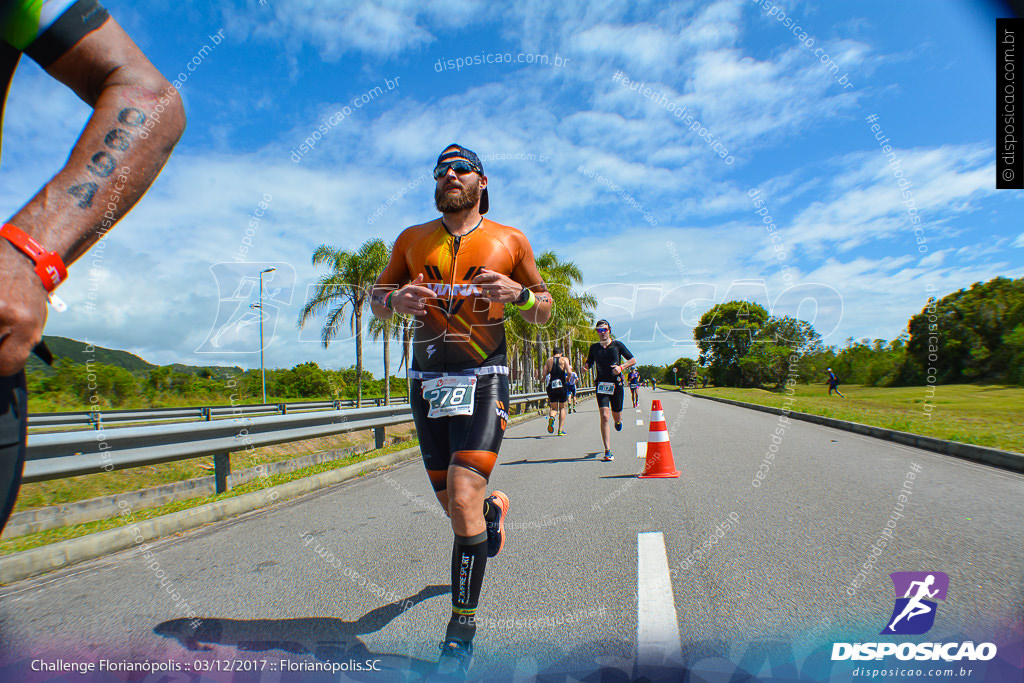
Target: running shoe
{"points": [[618, 426], [608, 457], [496, 529], [456, 656], [561, 433], [551, 425]]}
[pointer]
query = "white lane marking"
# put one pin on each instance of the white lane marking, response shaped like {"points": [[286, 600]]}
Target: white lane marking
{"points": [[639, 422], [641, 449], [657, 624], [639, 410]]}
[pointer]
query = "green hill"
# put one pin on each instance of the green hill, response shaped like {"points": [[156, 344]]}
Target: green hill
{"points": [[75, 351]]}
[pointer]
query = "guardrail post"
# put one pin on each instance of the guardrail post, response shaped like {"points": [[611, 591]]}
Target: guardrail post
{"points": [[283, 408], [96, 419], [205, 413], [221, 470], [337, 404], [378, 437]]}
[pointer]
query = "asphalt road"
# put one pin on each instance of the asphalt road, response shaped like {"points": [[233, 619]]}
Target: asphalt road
{"points": [[729, 574]]}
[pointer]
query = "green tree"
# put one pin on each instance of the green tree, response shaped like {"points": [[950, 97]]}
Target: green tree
{"points": [[963, 335], [683, 370], [345, 288], [778, 350], [649, 372], [724, 336]]}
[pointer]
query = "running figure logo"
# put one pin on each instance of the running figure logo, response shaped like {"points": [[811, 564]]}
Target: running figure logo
{"points": [[914, 613]]}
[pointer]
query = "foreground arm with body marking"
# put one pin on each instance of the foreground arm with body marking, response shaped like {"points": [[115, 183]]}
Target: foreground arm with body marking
{"points": [[113, 163]]}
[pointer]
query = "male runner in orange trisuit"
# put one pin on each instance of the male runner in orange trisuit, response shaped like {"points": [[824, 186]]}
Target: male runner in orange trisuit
{"points": [[455, 273]]}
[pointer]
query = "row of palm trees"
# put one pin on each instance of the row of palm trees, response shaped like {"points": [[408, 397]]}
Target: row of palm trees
{"points": [[343, 292]]}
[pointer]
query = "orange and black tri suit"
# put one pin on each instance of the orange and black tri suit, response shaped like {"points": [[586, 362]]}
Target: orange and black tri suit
{"points": [[461, 334]]}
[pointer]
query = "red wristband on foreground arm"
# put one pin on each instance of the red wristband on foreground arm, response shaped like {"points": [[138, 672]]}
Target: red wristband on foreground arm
{"points": [[49, 266]]}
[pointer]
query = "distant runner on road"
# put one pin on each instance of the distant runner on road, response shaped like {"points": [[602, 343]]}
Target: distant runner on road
{"points": [[634, 384], [570, 384], [605, 357], [557, 370]]}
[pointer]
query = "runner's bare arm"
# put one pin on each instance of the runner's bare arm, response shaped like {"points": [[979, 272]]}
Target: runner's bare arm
{"points": [[526, 274], [118, 155], [113, 163]]}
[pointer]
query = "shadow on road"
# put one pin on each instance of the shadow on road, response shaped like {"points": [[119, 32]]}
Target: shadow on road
{"points": [[325, 638], [589, 457]]}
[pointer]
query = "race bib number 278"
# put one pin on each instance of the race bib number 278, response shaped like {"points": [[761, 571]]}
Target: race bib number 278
{"points": [[450, 395]]}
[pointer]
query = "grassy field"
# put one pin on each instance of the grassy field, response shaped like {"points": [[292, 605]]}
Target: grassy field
{"points": [[980, 415]]}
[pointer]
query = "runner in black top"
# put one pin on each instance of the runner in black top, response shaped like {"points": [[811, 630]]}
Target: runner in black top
{"points": [[116, 159], [605, 356], [634, 384], [557, 370]]}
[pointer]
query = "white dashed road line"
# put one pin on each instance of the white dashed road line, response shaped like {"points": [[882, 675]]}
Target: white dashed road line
{"points": [[657, 624]]}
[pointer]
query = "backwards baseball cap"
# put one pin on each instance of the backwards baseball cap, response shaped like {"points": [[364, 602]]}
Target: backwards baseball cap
{"points": [[454, 152]]}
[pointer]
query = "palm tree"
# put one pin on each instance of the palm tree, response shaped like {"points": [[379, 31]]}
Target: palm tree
{"points": [[568, 328], [392, 328], [572, 317], [346, 286]]}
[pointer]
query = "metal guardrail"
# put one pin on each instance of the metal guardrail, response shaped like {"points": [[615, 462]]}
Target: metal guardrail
{"points": [[57, 455], [96, 419]]}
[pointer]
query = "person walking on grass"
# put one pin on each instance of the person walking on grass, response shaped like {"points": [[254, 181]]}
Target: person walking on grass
{"points": [[833, 383]]}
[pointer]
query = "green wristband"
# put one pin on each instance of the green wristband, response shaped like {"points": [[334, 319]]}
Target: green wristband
{"points": [[531, 301]]}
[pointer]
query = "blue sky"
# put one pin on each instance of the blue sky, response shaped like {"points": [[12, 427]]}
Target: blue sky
{"points": [[607, 176]]}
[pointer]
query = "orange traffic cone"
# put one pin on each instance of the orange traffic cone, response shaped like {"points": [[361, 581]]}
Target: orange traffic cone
{"points": [[659, 463]]}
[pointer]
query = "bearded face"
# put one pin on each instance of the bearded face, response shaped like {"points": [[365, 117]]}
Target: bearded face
{"points": [[466, 197]]}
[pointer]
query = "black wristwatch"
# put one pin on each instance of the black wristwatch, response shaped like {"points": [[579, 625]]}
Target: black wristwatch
{"points": [[523, 297]]}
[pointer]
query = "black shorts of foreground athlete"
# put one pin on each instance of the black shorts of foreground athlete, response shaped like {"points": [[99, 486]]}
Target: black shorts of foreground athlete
{"points": [[605, 356], [470, 440], [454, 275], [116, 155], [13, 433]]}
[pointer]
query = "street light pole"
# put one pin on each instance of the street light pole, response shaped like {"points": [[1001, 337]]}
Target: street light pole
{"points": [[263, 371]]}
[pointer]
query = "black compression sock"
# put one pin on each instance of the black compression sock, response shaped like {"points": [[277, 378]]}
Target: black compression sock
{"points": [[469, 557]]}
